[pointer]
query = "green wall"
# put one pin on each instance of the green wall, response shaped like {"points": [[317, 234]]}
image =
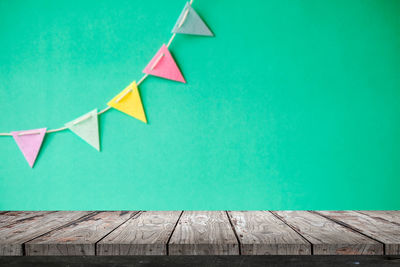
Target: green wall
{"points": [[293, 105]]}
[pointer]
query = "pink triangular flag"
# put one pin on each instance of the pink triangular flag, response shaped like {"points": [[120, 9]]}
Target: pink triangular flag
{"points": [[29, 142], [163, 65]]}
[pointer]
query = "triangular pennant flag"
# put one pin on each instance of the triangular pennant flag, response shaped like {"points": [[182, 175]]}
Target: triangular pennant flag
{"points": [[129, 102], [189, 22], [29, 142], [87, 128], [163, 65]]}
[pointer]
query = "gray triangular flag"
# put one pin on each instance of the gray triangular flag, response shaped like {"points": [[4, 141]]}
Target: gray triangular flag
{"points": [[87, 128], [189, 22]]}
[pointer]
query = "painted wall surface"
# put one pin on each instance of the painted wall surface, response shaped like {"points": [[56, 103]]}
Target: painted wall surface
{"points": [[295, 104]]}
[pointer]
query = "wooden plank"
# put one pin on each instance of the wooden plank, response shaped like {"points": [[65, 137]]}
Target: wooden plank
{"points": [[388, 215], [78, 238], [327, 237], [203, 233], [18, 216], [379, 229], [12, 236], [261, 233], [146, 234]]}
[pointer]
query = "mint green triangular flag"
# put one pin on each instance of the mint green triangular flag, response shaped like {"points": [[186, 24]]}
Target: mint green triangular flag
{"points": [[87, 128], [189, 22]]}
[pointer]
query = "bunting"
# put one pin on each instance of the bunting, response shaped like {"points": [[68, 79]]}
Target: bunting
{"points": [[29, 142], [87, 128], [127, 101]]}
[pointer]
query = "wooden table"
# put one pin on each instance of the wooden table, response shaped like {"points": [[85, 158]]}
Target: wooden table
{"points": [[76, 233]]}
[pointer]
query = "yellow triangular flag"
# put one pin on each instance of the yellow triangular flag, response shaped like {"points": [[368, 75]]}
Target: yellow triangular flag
{"points": [[129, 102]]}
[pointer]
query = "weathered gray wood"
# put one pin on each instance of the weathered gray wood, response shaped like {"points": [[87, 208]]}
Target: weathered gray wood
{"points": [[78, 238], [12, 236], [327, 237], [261, 233], [379, 229], [203, 233], [17, 216], [388, 215], [198, 233], [146, 234]]}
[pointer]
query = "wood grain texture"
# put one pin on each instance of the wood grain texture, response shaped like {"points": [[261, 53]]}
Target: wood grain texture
{"points": [[146, 234], [388, 215], [379, 229], [12, 236], [78, 238], [327, 237], [18, 216], [203, 233], [261, 233], [200, 233]]}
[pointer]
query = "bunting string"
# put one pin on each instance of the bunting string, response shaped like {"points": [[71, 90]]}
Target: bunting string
{"points": [[128, 101]]}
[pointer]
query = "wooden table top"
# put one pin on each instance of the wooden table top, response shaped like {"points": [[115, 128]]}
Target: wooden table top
{"points": [[76, 233]]}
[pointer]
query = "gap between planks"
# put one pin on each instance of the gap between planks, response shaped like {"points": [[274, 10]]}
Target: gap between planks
{"points": [[261, 233], [351, 228], [328, 237], [203, 233], [234, 231], [78, 238], [309, 242], [379, 229], [147, 234], [173, 230], [56, 229], [134, 216]]}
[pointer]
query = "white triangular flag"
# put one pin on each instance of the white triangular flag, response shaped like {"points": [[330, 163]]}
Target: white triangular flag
{"points": [[87, 128]]}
